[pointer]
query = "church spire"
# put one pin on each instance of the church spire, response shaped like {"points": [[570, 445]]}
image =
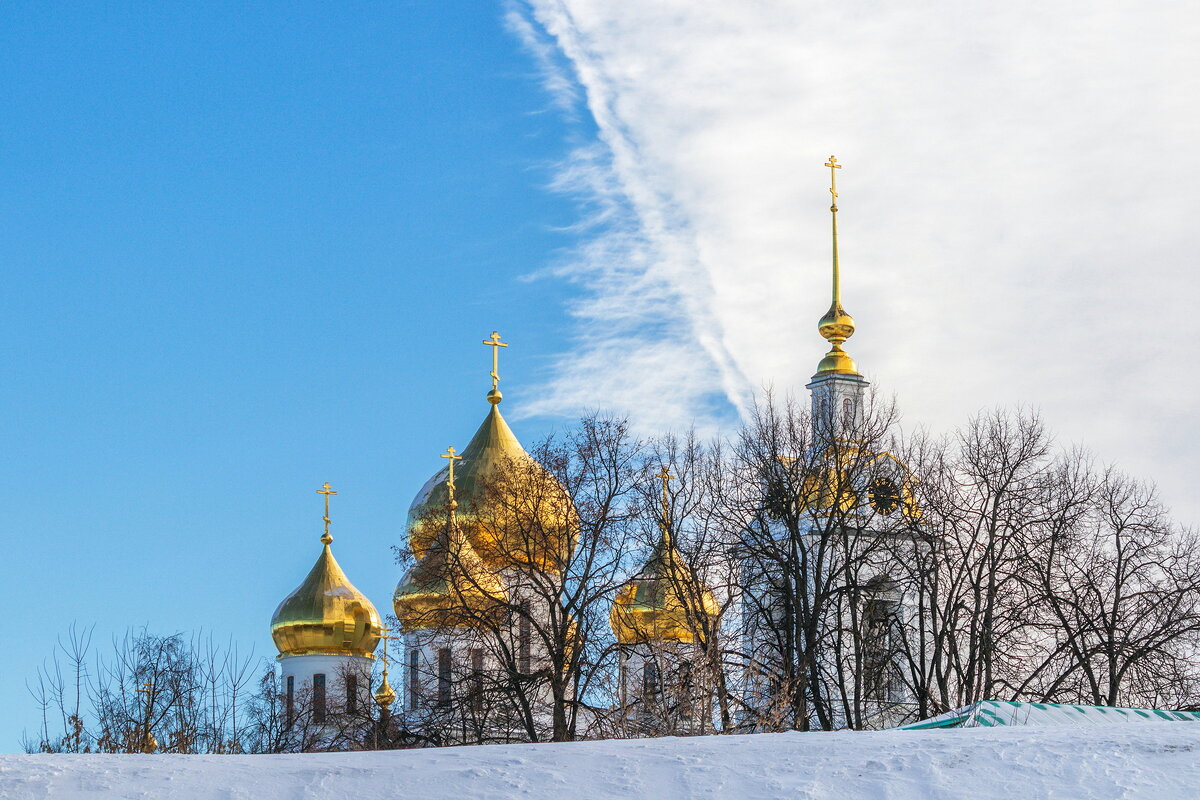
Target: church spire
{"points": [[836, 326]]}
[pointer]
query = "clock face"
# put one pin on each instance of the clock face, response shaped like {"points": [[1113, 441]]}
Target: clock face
{"points": [[884, 495]]}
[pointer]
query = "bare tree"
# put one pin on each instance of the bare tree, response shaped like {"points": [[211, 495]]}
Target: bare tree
{"points": [[831, 573], [147, 693]]}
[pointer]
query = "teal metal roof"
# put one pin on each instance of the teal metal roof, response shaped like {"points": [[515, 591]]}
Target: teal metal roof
{"points": [[999, 713]]}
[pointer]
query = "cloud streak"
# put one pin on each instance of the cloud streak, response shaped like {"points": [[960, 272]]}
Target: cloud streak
{"points": [[1016, 210]]}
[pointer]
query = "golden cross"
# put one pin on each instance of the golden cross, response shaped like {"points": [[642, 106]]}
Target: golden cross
{"points": [[837, 276], [450, 480], [666, 502], [494, 342], [325, 490], [384, 636], [148, 690], [833, 165]]}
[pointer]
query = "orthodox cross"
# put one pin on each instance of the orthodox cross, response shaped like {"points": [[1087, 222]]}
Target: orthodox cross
{"points": [[837, 277], [664, 476], [450, 479], [494, 342], [833, 165], [325, 490], [384, 636]]}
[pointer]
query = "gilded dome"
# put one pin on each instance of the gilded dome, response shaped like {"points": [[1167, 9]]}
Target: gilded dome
{"points": [[836, 327], [511, 509], [385, 695], [450, 586], [663, 602], [326, 614]]}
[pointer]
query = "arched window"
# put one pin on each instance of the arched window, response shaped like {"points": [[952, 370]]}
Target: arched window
{"points": [[443, 684], [882, 677], [524, 640], [848, 412], [650, 680], [351, 694], [477, 679], [414, 678], [318, 697]]}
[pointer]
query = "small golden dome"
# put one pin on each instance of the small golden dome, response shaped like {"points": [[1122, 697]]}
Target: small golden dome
{"points": [[836, 327], [385, 695], [528, 520], [663, 602], [450, 586], [326, 614]]}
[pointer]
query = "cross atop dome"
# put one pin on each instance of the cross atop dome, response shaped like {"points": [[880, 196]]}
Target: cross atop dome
{"points": [[494, 342]]}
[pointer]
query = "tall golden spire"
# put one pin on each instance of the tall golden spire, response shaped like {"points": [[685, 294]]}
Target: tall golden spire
{"points": [[494, 342], [836, 326]]}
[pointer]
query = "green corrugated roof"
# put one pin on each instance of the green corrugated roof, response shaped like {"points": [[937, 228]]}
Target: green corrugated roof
{"points": [[995, 713]]}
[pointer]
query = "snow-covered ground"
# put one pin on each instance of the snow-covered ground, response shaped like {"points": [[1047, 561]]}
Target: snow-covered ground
{"points": [[1157, 760]]}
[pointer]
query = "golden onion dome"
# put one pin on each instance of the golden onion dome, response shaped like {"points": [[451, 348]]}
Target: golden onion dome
{"points": [[385, 695], [511, 509], [326, 614], [663, 602], [450, 586], [836, 327]]}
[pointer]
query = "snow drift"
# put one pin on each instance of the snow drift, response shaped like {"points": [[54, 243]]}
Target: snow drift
{"points": [[1155, 760]]}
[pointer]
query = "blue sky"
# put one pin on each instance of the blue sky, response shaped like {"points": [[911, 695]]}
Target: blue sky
{"points": [[248, 249]]}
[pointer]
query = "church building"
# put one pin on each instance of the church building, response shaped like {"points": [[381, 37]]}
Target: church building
{"points": [[491, 535]]}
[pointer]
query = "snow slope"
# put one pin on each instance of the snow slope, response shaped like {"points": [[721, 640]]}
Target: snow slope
{"points": [[1156, 760]]}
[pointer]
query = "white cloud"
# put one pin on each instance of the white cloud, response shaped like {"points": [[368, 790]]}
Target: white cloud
{"points": [[1016, 206], [556, 78]]}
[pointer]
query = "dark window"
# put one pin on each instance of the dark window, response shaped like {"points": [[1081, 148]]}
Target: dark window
{"points": [[414, 678], [650, 680], [881, 674], [318, 698], [525, 641], [351, 694], [477, 679], [291, 699], [848, 412], [443, 692], [622, 677]]}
